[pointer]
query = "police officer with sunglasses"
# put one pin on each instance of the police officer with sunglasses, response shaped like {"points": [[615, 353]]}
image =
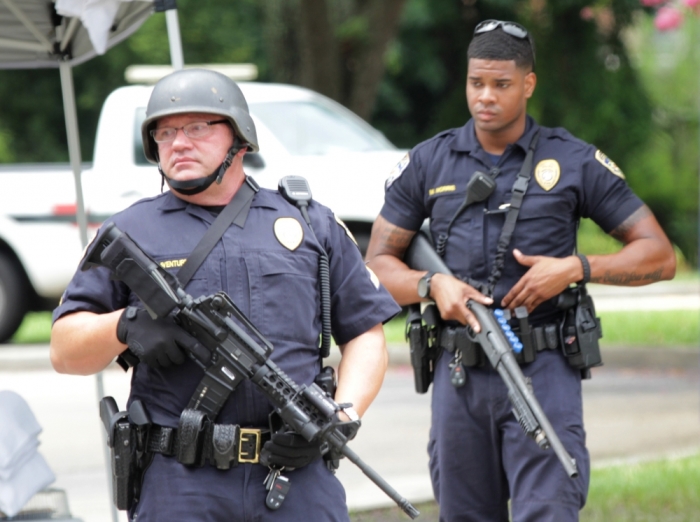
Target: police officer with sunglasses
{"points": [[514, 248]]}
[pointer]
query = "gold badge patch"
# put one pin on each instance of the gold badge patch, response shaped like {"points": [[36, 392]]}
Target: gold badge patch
{"points": [[547, 173], [609, 164], [288, 232]]}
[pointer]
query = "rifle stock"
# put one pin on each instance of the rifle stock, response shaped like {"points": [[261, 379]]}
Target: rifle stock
{"points": [[420, 255]]}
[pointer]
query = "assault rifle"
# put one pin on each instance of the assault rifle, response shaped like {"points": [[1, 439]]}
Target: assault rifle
{"points": [[420, 255], [234, 350]]}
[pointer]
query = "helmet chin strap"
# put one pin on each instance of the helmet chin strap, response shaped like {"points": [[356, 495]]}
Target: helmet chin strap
{"points": [[195, 186]]}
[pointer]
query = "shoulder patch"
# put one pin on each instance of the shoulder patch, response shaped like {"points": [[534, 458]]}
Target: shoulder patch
{"points": [[609, 164], [397, 170], [345, 227]]}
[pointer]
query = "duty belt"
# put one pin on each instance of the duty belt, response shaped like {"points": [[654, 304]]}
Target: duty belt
{"points": [[195, 443], [542, 338]]}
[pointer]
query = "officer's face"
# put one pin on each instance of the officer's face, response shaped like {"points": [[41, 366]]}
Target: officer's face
{"points": [[497, 94], [189, 158]]}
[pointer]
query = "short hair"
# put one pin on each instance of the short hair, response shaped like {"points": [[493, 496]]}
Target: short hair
{"points": [[499, 45]]}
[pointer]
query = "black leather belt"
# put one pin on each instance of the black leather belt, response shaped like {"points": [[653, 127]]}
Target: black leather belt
{"points": [[222, 445]]}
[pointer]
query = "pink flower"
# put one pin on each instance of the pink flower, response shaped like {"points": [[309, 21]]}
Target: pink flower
{"points": [[588, 14], [668, 18], [691, 3], [652, 3]]}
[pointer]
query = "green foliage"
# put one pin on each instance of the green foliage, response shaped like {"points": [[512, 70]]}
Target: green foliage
{"points": [[212, 32], [6, 155], [592, 240], [665, 172]]}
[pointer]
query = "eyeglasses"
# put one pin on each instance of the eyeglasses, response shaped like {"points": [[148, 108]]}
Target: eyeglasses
{"points": [[195, 130], [512, 28]]}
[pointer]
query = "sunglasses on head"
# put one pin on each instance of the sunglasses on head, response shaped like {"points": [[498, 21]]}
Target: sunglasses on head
{"points": [[511, 28]]}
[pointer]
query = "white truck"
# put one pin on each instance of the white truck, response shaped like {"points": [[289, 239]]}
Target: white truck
{"points": [[345, 160]]}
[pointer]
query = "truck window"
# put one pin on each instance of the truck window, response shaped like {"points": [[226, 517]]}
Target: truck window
{"points": [[139, 156], [309, 128]]}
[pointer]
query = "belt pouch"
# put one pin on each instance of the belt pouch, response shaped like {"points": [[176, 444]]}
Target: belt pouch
{"points": [[472, 355], [123, 465], [527, 355], [224, 445], [190, 437]]}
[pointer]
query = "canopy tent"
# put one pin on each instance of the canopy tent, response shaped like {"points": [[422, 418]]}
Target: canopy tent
{"points": [[62, 34]]}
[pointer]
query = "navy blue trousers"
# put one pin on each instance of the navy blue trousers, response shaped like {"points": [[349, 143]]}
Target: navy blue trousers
{"points": [[173, 492], [480, 457]]}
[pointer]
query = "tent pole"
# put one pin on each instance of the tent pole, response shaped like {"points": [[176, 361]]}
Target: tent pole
{"points": [[73, 145], [176, 56], [75, 156]]}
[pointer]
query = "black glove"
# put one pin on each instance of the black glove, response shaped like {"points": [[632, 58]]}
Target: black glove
{"points": [[289, 450], [333, 456], [156, 342]]}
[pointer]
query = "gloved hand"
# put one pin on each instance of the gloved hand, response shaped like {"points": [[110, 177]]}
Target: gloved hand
{"points": [[289, 450], [332, 457], [156, 342]]}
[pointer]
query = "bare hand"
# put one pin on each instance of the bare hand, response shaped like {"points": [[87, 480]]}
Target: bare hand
{"points": [[547, 277], [451, 296]]}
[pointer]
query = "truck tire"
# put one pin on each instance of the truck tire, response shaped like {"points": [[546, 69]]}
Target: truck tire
{"points": [[13, 297]]}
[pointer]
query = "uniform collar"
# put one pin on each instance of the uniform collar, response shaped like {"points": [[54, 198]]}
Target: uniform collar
{"points": [[172, 203], [465, 138]]}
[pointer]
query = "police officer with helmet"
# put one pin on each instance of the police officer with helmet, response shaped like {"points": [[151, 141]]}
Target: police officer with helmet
{"points": [[511, 244], [198, 130]]}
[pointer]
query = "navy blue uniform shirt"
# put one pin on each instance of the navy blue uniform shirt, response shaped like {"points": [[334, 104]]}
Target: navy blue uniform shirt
{"points": [[570, 179], [274, 285]]}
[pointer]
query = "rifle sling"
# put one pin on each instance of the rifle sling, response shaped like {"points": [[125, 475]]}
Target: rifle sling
{"points": [[235, 212]]}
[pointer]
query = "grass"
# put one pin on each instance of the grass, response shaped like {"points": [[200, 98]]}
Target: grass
{"points": [[672, 328], [658, 491], [665, 490], [35, 329]]}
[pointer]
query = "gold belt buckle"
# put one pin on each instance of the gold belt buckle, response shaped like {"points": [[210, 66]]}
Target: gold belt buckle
{"points": [[246, 434]]}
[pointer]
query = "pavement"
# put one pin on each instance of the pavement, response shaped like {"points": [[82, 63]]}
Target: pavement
{"points": [[643, 404]]}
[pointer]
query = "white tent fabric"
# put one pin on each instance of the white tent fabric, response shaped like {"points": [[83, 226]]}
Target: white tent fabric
{"points": [[41, 33], [23, 471], [97, 17]]}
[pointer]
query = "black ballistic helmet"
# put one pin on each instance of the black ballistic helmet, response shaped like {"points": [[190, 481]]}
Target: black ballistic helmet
{"points": [[198, 90]]}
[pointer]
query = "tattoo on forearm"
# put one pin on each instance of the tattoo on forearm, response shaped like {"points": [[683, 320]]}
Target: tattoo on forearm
{"points": [[396, 240], [626, 278], [621, 231]]}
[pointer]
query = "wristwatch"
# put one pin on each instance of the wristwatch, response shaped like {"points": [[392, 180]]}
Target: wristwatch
{"points": [[351, 413], [424, 285]]}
